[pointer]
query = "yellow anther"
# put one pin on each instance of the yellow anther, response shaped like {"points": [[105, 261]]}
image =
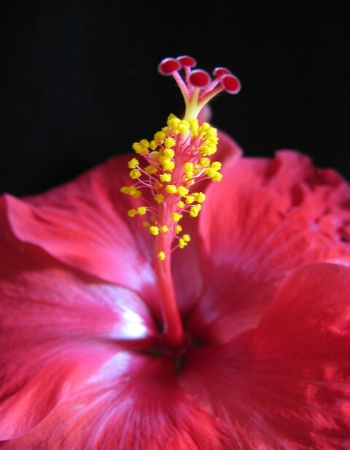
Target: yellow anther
{"points": [[135, 173], [205, 162], [135, 192], [193, 126], [178, 229], [169, 153], [131, 190], [176, 216], [141, 147], [125, 190], [132, 212], [171, 189], [194, 210], [161, 256], [183, 127], [186, 237], [173, 121], [210, 171], [182, 243], [146, 224], [200, 197], [133, 163], [189, 199], [154, 230], [151, 170], [153, 145], [138, 149], [216, 165], [216, 177], [207, 150], [142, 210], [166, 177], [167, 163], [205, 127], [181, 204], [159, 136], [144, 144], [159, 198], [163, 229], [169, 142], [181, 190], [157, 185], [188, 167]]}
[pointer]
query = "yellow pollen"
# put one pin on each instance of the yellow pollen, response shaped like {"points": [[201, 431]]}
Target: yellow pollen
{"points": [[188, 167], [142, 210], [169, 153], [194, 210], [205, 162], [176, 216], [199, 196], [163, 229], [181, 204], [169, 142], [157, 185], [135, 173], [182, 243], [133, 163], [141, 147], [178, 229], [153, 145], [154, 230], [216, 165], [136, 193], [181, 190], [151, 170], [144, 144], [165, 177], [193, 125], [171, 189], [130, 190], [159, 198], [159, 137], [161, 256], [132, 212], [189, 199], [183, 127], [216, 177], [186, 237], [167, 163]]}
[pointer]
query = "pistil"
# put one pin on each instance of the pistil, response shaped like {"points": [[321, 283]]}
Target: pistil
{"points": [[173, 331]]}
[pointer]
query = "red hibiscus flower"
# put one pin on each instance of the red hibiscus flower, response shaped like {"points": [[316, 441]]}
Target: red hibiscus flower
{"points": [[128, 324]]}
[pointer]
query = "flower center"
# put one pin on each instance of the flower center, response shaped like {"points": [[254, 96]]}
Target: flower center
{"points": [[166, 172]]}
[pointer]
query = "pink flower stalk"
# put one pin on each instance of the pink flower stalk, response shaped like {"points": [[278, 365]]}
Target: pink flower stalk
{"points": [[127, 322]]}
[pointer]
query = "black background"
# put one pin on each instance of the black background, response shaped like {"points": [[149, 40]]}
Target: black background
{"points": [[79, 81]]}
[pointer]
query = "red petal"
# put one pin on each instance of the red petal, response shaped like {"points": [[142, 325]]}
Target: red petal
{"points": [[133, 402], [57, 328], [263, 219], [85, 224], [286, 385]]}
